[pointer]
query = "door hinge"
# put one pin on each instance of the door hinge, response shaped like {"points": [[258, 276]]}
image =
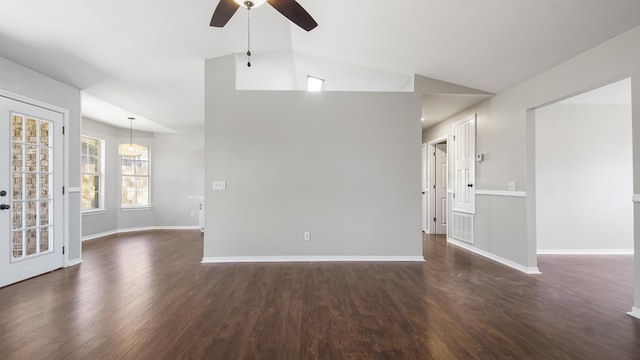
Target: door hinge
{"points": [[63, 190], [434, 187], [434, 219], [454, 138], [63, 250], [434, 154], [63, 130], [454, 195]]}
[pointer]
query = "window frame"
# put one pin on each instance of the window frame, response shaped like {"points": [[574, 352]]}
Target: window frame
{"points": [[101, 175], [125, 207]]}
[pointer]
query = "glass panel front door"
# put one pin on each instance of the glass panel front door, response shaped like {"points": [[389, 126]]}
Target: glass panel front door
{"points": [[31, 200]]}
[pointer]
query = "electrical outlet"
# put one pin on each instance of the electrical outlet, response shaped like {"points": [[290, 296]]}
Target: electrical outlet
{"points": [[512, 186], [307, 236], [193, 214]]}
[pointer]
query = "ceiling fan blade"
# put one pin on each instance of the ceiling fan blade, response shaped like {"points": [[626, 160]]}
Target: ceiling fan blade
{"points": [[224, 11], [294, 12]]}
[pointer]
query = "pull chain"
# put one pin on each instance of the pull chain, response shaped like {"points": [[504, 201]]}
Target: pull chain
{"points": [[248, 36]]}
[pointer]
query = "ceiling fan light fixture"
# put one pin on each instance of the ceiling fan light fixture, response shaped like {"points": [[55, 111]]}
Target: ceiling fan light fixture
{"points": [[250, 3]]}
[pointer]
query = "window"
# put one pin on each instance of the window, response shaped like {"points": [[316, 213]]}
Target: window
{"points": [[135, 180], [91, 160], [314, 83]]}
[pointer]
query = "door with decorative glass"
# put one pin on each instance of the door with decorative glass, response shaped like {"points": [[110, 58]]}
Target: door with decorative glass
{"points": [[31, 206]]}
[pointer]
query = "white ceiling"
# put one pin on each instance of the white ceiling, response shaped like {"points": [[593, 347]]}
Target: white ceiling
{"points": [[146, 57], [436, 108]]}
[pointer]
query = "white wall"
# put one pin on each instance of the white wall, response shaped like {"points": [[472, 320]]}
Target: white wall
{"points": [[584, 178], [506, 135], [22, 81], [177, 172], [288, 70], [270, 70], [343, 166], [340, 76]]}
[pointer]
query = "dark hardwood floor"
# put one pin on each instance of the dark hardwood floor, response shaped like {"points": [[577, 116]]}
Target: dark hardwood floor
{"points": [[146, 296]]}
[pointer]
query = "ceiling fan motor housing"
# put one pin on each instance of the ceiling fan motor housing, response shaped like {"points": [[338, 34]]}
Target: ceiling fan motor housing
{"points": [[249, 3]]}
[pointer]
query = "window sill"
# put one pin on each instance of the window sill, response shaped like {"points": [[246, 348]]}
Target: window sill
{"points": [[94, 212], [136, 208]]}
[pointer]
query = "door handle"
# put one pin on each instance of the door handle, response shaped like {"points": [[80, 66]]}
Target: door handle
{"points": [[469, 185], [5, 207]]}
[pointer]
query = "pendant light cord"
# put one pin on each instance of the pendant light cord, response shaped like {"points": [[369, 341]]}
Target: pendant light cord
{"points": [[131, 130]]}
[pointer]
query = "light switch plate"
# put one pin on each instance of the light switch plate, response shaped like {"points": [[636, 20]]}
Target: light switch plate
{"points": [[219, 185]]}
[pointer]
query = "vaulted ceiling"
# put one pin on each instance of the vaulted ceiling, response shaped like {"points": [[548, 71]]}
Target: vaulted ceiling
{"points": [[146, 57]]}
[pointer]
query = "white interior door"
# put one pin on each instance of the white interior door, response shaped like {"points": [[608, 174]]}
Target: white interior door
{"points": [[31, 211], [440, 189], [464, 140]]}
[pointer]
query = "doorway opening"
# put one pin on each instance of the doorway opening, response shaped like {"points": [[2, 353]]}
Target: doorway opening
{"points": [[437, 186], [583, 176]]}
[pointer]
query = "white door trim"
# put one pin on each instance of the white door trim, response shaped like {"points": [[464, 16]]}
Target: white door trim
{"points": [[431, 169], [425, 187], [65, 160]]}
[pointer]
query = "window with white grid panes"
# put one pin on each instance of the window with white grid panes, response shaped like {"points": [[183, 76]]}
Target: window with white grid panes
{"points": [[135, 180], [91, 161], [31, 186]]}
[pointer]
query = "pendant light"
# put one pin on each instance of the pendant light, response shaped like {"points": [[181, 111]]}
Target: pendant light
{"points": [[130, 150]]}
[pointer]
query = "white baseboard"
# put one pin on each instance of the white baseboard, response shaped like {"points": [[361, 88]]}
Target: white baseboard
{"points": [[496, 258], [121, 231], [99, 235], [194, 227], [74, 262], [284, 259], [585, 252], [635, 312]]}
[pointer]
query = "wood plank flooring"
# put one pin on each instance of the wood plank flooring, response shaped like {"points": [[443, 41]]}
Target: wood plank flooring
{"points": [[146, 296]]}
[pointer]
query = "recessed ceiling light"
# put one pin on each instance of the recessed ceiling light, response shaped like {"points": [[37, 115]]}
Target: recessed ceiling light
{"points": [[314, 83]]}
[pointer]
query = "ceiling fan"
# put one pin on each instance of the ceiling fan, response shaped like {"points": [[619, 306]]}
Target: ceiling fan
{"points": [[289, 8]]}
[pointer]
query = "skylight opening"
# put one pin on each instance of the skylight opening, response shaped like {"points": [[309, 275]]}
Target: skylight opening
{"points": [[314, 83]]}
